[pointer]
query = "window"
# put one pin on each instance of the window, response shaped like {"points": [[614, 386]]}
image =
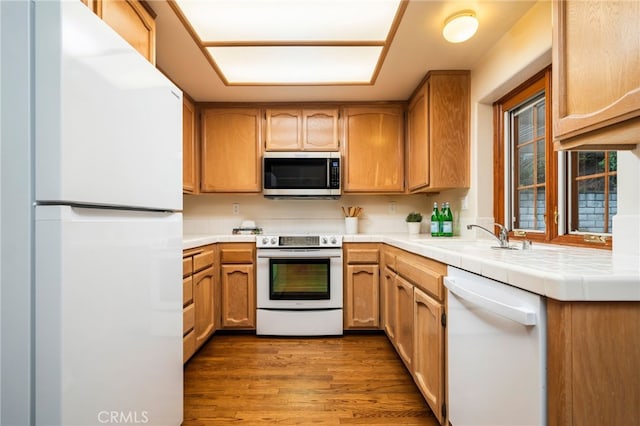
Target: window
{"points": [[546, 195]]}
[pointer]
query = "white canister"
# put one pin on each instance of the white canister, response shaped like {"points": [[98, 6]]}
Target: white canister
{"points": [[351, 225]]}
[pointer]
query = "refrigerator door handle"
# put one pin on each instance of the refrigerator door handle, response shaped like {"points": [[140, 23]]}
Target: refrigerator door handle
{"points": [[515, 313]]}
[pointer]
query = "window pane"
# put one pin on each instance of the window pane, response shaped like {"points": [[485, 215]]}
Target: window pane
{"points": [[613, 199], [540, 124], [541, 200], [524, 126], [541, 161], [590, 163], [591, 205], [613, 161], [525, 215], [525, 165]]}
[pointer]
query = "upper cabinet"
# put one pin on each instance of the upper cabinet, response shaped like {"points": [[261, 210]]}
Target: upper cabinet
{"points": [[596, 75], [301, 129], [373, 149], [189, 148], [133, 20], [438, 133], [231, 150]]}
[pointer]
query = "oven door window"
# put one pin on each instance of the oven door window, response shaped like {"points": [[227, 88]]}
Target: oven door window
{"points": [[299, 279]]}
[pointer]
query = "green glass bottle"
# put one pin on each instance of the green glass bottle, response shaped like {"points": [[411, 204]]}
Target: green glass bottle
{"points": [[435, 221], [447, 221]]}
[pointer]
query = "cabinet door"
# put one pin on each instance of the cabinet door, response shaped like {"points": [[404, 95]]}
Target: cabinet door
{"points": [[428, 358], [238, 296], [418, 140], [189, 148], [596, 83], [374, 150], [284, 130], [231, 150], [362, 296], [133, 22], [404, 321], [203, 288], [320, 130], [389, 305], [438, 140]]}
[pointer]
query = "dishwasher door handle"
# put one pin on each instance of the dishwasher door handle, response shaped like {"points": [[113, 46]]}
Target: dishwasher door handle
{"points": [[515, 313]]}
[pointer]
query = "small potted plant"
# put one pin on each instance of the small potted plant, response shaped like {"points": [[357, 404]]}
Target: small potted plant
{"points": [[413, 222]]}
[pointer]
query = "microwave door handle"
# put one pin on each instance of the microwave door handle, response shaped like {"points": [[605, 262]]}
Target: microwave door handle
{"points": [[328, 174]]}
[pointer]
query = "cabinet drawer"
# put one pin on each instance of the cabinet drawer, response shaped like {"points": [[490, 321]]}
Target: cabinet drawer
{"points": [[188, 345], [362, 255], [188, 318], [389, 259], [203, 260], [187, 290], [417, 271], [187, 266], [236, 255]]}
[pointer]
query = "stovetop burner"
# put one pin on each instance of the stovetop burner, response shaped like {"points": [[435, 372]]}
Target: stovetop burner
{"points": [[293, 241]]}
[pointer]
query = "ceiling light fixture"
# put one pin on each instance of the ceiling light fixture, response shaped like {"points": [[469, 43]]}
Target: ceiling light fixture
{"points": [[460, 27]]}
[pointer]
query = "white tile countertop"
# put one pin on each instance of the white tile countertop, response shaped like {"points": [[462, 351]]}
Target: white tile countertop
{"points": [[558, 272]]}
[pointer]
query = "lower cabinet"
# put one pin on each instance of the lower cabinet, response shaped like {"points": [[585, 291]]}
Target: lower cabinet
{"points": [[428, 363], [413, 318], [238, 282], [199, 270], [404, 320], [361, 286]]}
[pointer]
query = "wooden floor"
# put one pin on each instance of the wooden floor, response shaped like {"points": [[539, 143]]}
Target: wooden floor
{"points": [[249, 380]]}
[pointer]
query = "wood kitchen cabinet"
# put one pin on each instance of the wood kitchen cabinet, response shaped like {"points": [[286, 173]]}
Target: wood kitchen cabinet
{"points": [[200, 273], [414, 320], [596, 83], [238, 281], [231, 150], [361, 286], [301, 129], [373, 149], [438, 153], [133, 20], [593, 363], [404, 320], [190, 169]]}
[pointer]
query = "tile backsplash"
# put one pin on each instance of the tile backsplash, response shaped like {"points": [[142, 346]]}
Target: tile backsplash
{"points": [[214, 213]]}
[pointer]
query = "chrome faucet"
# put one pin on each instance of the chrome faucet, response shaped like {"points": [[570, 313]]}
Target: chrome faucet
{"points": [[502, 237]]}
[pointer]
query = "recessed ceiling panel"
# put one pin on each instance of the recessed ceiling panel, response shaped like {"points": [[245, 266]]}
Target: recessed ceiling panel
{"points": [[290, 20], [297, 64]]}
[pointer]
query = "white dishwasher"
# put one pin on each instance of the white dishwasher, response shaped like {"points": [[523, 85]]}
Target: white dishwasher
{"points": [[496, 357]]}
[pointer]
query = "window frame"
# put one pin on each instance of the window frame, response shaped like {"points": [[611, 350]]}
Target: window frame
{"points": [[556, 222]]}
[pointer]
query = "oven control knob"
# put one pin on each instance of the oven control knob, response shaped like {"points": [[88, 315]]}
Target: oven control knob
{"points": [[265, 240], [334, 240], [324, 240], [274, 241]]}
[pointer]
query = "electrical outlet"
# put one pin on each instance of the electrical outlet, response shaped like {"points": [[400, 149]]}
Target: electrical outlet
{"points": [[464, 203], [236, 208], [392, 207]]}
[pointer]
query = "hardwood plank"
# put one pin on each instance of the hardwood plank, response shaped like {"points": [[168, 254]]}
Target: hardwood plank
{"points": [[354, 379]]}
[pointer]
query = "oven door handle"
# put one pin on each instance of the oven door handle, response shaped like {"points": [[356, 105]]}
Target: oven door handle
{"points": [[299, 253]]}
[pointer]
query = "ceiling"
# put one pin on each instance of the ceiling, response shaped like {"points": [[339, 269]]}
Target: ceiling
{"points": [[417, 47]]}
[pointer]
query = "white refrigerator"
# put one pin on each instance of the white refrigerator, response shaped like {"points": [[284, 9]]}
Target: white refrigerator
{"points": [[107, 171]]}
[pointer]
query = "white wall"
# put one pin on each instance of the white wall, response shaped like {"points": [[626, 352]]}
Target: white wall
{"points": [[519, 54]]}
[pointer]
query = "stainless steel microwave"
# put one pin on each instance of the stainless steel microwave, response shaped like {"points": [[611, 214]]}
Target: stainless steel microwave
{"points": [[301, 174]]}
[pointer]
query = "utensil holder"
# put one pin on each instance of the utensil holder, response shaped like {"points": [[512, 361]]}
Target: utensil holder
{"points": [[351, 225]]}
